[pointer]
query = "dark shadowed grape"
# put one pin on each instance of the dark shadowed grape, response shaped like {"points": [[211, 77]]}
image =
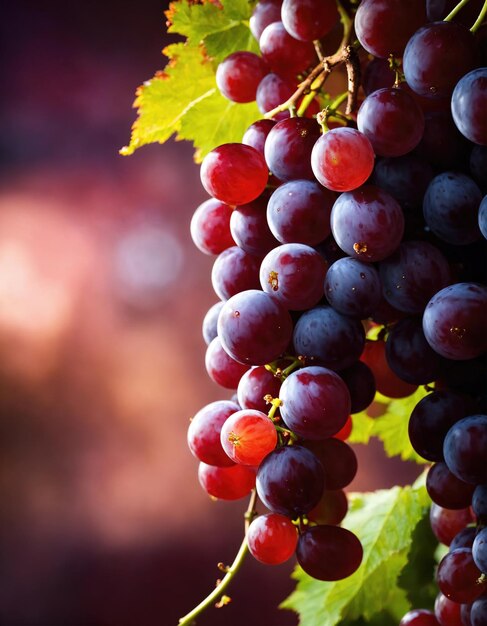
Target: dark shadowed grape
{"points": [[468, 105], [465, 449], [458, 576], [447, 523], [361, 385], [353, 288], [446, 489], [249, 228]]}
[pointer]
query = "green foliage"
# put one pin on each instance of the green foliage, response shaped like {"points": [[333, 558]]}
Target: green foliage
{"points": [[385, 522], [391, 426], [184, 100]]}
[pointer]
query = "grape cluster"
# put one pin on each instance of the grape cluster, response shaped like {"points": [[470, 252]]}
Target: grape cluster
{"points": [[323, 234]]}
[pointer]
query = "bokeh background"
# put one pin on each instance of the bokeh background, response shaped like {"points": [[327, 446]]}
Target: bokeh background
{"points": [[102, 294]]}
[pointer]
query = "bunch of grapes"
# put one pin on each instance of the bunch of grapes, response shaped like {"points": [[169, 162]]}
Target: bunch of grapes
{"points": [[330, 223]]}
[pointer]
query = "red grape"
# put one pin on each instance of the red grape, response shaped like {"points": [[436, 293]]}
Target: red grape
{"points": [[248, 436]]}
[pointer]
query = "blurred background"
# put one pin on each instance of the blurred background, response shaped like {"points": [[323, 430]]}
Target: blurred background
{"points": [[102, 294]]}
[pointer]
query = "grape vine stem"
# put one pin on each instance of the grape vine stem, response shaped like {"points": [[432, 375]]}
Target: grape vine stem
{"points": [[217, 593]]}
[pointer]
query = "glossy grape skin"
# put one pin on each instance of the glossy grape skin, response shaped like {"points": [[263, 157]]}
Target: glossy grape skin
{"points": [[447, 612], [290, 481], [392, 121], [338, 459], [465, 613], [204, 433], [249, 228], [450, 208], [353, 288], [239, 75], [464, 538], [479, 550], [478, 613], [254, 385], [294, 274], [447, 523], [465, 449], [457, 576], [221, 368], [409, 355], [437, 56], [361, 385], [235, 270], [468, 105], [419, 617], [329, 552], [209, 326], [273, 91], [413, 274], [406, 178], [384, 26], [432, 418], [264, 13], [308, 20], [367, 223], [248, 436], [285, 55], [256, 134], [288, 148], [454, 321], [331, 509], [483, 217], [299, 212], [315, 402], [388, 383], [335, 340], [272, 538], [210, 227], [234, 173], [446, 489], [342, 159], [254, 327], [479, 503], [226, 483]]}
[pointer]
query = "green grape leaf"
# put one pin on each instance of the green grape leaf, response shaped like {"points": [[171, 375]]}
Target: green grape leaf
{"points": [[385, 522], [390, 425]]}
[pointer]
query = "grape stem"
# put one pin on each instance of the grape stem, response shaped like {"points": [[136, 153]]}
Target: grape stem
{"points": [[346, 53], [480, 19], [455, 10], [217, 593]]}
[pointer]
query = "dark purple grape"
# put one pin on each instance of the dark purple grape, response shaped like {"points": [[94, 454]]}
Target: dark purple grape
{"points": [[239, 75], [331, 509], [454, 321], [254, 385], [234, 173], [335, 340], [405, 178], [210, 227], [235, 270], [479, 503], [468, 105], [479, 549], [290, 481], [478, 167], [478, 613], [437, 56], [450, 208], [388, 383], [221, 368], [299, 212], [294, 274], [367, 223], [338, 459], [254, 327], [483, 217], [361, 385], [284, 54], [256, 134], [413, 274], [308, 20], [447, 523], [458, 576], [204, 433], [432, 418], [210, 321], [315, 402], [273, 91], [446, 489], [353, 288], [377, 75], [392, 121], [442, 144], [384, 27], [465, 449], [288, 148], [249, 228], [329, 552], [264, 13], [464, 538]]}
